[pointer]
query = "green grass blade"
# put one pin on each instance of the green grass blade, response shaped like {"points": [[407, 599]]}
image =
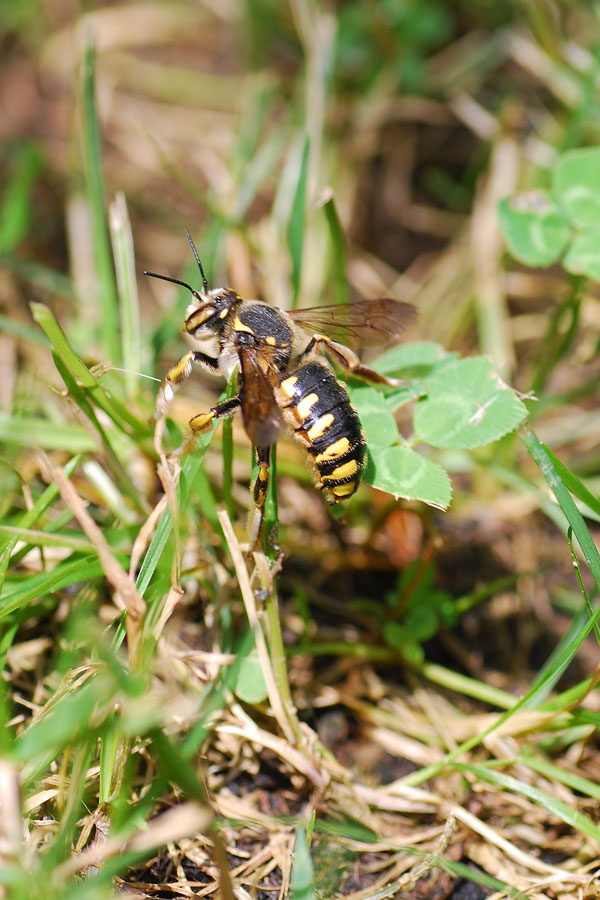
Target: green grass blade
{"points": [[302, 875], [573, 484], [559, 808], [122, 243], [165, 527], [176, 767], [95, 192], [541, 456], [117, 411], [17, 209], [555, 773], [338, 252], [20, 330], [45, 538], [62, 576], [296, 225], [39, 276], [271, 507], [44, 501], [28, 432]]}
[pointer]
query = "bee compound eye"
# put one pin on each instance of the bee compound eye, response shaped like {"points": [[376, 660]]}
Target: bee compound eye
{"points": [[200, 317]]}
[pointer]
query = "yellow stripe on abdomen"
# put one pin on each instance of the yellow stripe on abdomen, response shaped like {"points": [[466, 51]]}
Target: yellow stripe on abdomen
{"points": [[346, 470], [306, 404], [340, 447]]}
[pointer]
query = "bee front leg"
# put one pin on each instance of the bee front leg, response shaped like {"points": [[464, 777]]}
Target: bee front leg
{"points": [[180, 371], [259, 493], [202, 422], [349, 361]]}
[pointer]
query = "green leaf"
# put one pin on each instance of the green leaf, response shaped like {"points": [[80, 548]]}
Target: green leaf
{"points": [[378, 422], [403, 472], [577, 185], [301, 879], [419, 358], [467, 405], [534, 228], [250, 684], [583, 255]]}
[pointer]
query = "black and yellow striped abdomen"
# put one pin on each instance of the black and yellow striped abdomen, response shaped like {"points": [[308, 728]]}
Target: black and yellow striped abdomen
{"points": [[317, 407]]}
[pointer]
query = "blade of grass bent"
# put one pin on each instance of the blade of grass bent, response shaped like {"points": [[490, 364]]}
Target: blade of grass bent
{"points": [[121, 416]]}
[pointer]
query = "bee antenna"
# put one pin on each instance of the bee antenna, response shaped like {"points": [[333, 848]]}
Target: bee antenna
{"points": [[173, 280], [197, 258]]}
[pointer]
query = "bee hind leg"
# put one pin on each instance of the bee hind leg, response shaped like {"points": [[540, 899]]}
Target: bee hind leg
{"points": [[259, 494], [349, 361]]}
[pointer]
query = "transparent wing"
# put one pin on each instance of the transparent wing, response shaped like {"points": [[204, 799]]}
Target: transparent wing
{"points": [[262, 420], [368, 321]]}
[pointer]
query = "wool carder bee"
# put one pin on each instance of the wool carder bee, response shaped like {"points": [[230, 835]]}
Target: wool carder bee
{"points": [[283, 378]]}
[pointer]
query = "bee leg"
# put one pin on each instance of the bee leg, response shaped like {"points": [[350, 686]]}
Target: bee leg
{"points": [[179, 372], [349, 361], [202, 422], [259, 492]]}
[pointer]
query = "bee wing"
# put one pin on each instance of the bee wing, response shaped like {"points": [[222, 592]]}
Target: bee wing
{"points": [[368, 321], [262, 420]]}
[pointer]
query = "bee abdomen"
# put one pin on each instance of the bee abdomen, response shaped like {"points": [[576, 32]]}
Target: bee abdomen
{"points": [[318, 409]]}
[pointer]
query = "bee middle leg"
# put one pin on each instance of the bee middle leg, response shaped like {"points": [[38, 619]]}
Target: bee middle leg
{"points": [[202, 422], [259, 493], [349, 361]]}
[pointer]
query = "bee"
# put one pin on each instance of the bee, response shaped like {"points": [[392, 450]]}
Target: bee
{"points": [[284, 378]]}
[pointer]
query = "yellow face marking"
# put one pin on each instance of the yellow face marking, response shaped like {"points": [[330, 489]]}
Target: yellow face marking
{"points": [[238, 325], [306, 404], [334, 450], [271, 341], [344, 471], [320, 427], [344, 490], [224, 313], [287, 386]]}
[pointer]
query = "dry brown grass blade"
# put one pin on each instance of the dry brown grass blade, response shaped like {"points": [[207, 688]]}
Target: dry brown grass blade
{"points": [[174, 824], [126, 594]]}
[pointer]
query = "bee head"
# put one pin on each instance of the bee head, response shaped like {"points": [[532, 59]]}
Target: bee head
{"points": [[209, 318], [207, 313]]}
